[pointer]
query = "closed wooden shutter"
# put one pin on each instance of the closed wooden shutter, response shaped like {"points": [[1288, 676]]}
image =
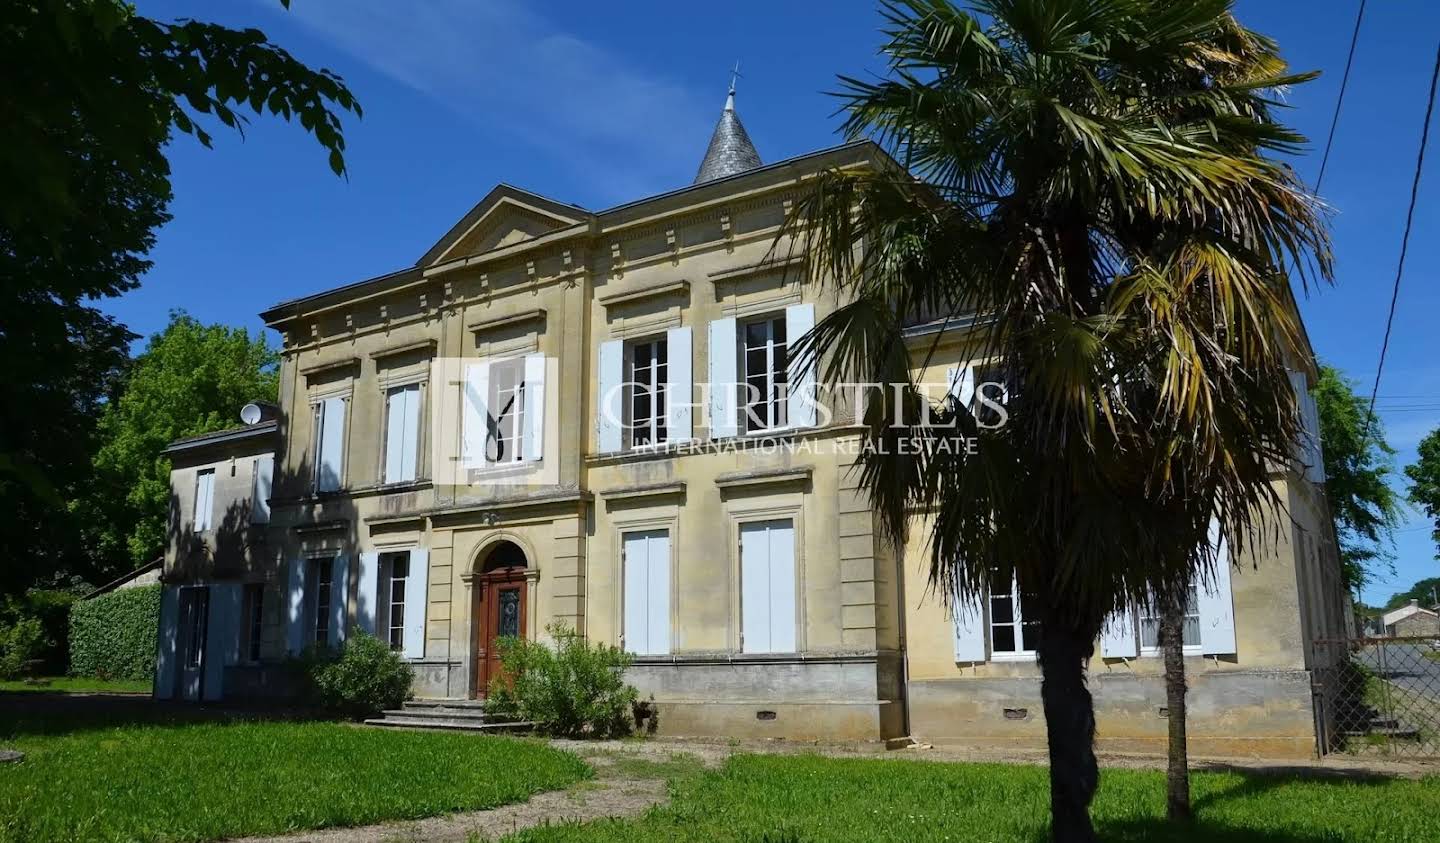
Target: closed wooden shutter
{"points": [[402, 434], [222, 637], [295, 637], [1118, 639], [417, 596], [1217, 609], [264, 480], [767, 587], [534, 434], [801, 412], [475, 415], [679, 389], [724, 354], [339, 599], [367, 598], [204, 499], [609, 401], [166, 644], [967, 619], [332, 445], [647, 592]]}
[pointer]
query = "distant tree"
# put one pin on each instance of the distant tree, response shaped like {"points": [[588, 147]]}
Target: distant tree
{"points": [[1426, 591], [191, 379], [93, 92], [1424, 476], [1358, 469]]}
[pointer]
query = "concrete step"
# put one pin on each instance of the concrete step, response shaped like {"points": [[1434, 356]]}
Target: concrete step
{"points": [[400, 721], [436, 714], [457, 704]]}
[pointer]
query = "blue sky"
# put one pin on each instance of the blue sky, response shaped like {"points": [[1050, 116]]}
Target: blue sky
{"points": [[601, 103]]}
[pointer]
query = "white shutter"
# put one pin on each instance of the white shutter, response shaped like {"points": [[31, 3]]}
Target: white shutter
{"points": [[609, 402], [782, 587], [401, 428], [264, 480], [295, 630], [204, 500], [166, 640], [754, 589], [1217, 610], [534, 443], [222, 637], [474, 421], [678, 388], [1118, 639], [799, 319], [366, 599], [658, 599], [1317, 447], [339, 591], [417, 596], [724, 419], [968, 620], [962, 383], [1303, 449], [637, 592], [410, 455], [332, 444]]}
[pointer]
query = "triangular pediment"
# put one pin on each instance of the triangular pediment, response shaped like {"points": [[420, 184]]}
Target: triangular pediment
{"points": [[506, 216]]}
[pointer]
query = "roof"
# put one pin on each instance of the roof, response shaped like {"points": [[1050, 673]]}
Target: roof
{"points": [[1396, 615], [124, 578], [219, 437], [730, 151]]}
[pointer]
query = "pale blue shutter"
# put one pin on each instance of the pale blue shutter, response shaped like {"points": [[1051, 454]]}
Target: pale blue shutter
{"points": [[782, 587], [339, 602], [799, 319], [168, 636], [636, 557], [332, 445], [222, 637], [678, 387], [264, 478], [1118, 639], [657, 582], [968, 622], [609, 401], [475, 418], [410, 441], [1217, 610], [417, 597], [754, 589], [723, 351], [366, 598], [534, 406], [295, 638]]}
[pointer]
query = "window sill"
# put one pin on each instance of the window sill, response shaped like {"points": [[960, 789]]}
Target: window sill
{"points": [[1021, 656]]}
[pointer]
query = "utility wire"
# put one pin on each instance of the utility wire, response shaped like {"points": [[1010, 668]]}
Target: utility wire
{"points": [[1404, 244], [1340, 99]]}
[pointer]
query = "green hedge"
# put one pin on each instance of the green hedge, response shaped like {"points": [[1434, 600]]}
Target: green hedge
{"points": [[113, 636]]}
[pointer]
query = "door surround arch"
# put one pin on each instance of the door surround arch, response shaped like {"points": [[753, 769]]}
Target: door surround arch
{"points": [[511, 580]]}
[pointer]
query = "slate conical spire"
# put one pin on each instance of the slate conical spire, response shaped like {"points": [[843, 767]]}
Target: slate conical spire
{"points": [[730, 150]]}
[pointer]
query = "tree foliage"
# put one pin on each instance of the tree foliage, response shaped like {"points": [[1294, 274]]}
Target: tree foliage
{"points": [[191, 379], [1358, 469], [1425, 591], [1096, 180], [93, 92], [1424, 476]]}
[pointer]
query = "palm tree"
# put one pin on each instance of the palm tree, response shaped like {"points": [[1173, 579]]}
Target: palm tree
{"points": [[1077, 178]]}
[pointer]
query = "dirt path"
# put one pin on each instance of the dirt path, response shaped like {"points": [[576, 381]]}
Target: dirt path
{"points": [[616, 791]]}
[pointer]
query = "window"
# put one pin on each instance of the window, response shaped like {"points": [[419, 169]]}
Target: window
{"points": [[321, 571], [204, 499], [251, 621], [329, 444], [646, 557], [767, 587], [395, 570], [1010, 633], [263, 470], [507, 413], [648, 375], [402, 434], [1150, 624], [766, 393]]}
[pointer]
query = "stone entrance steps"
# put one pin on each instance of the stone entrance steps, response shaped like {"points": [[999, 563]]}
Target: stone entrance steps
{"points": [[457, 715]]}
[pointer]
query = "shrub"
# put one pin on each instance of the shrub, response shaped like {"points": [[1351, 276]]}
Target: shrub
{"points": [[113, 636], [21, 641], [360, 680], [575, 689], [52, 608]]}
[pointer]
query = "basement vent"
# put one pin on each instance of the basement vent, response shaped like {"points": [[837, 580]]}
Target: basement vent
{"points": [[764, 715], [1017, 713], [1163, 711]]}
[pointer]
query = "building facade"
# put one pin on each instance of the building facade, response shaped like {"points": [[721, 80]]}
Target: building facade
{"points": [[522, 430]]}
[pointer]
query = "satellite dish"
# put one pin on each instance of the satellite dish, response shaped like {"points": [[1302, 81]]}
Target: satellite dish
{"points": [[251, 414]]}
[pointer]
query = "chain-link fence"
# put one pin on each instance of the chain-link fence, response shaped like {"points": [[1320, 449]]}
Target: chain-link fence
{"points": [[1378, 696]]}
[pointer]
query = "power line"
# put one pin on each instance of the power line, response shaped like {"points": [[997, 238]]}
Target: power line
{"points": [[1404, 243], [1340, 99]]}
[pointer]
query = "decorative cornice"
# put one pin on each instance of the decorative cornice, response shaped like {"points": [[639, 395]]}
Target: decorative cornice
{"points": [[482, 324], [681, 287], [427, 345]]}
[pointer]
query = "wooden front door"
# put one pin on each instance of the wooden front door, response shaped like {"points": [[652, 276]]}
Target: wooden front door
{"points": [[500, 614]]}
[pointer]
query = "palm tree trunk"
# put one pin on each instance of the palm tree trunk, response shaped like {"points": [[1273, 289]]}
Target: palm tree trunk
{"points": [[1070, 728], [1177, 772]]}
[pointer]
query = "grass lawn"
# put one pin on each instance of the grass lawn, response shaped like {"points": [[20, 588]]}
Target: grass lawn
{"points": [[779, 799], [202, 781], [78, 685]]}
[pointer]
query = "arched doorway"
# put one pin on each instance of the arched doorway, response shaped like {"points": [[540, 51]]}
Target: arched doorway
{"points": [[500, 610]]}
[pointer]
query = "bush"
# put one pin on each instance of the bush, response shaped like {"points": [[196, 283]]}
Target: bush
{"points": [[21, 642], [576, 689], [361, 680], [52, 608], [113, 636]]}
